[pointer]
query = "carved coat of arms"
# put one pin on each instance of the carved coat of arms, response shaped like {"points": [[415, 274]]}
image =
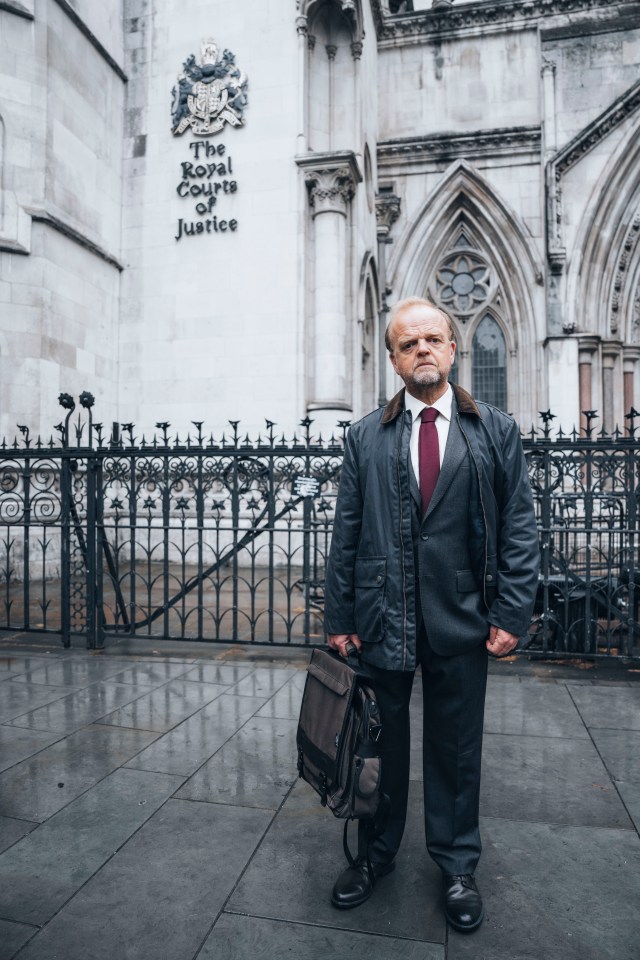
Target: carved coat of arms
{"points": [[209, 94]]}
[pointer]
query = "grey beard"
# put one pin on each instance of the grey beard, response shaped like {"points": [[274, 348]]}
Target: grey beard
{"points": [[428, 378]]}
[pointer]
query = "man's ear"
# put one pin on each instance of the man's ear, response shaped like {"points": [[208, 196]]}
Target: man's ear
{"points": [[393, 363]]}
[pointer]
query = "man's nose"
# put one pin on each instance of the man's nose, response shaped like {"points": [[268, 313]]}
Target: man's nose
{"points": [[423, 345]]}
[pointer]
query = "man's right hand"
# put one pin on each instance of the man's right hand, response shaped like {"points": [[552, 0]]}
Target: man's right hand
{"points": [[339, 641]]}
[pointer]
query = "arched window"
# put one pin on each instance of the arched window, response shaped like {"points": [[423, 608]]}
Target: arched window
{"points": [[489, 363]]}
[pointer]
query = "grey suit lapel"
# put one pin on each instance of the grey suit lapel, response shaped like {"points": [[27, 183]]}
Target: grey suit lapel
{"points": [[454, 453]]}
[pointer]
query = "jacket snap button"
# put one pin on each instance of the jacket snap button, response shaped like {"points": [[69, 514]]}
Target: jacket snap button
{"points": [[379, 578], [425, 536], [489, 577]]}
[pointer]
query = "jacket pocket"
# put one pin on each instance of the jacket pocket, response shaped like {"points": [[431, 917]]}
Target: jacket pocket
{"points": [[466, 581], [370, 577]]}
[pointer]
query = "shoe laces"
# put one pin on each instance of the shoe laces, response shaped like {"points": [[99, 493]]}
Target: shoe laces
{"points": [[466, 879]]}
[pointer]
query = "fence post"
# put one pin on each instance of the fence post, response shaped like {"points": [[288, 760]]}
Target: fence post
{"points": [[65, 550], [93, 608]]}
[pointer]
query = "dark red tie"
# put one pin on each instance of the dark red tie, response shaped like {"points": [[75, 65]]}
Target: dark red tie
{"points": [[429, 456]]}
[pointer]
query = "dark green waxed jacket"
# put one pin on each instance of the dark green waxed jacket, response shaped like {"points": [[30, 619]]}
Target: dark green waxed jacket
{"points": [[373, 520]]}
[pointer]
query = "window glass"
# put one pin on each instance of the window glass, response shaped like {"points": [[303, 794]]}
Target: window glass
{"points": [[489, 363]]}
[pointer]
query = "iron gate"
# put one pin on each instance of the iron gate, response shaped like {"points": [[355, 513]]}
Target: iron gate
{"points": [[226, 538]]}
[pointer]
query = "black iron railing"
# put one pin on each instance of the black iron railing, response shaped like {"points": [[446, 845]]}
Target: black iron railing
{"points": [[226, 538]]}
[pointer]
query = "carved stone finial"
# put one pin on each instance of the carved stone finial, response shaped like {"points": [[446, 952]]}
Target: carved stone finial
{"points": [[331, 50], [301, 26], [356, 49]]}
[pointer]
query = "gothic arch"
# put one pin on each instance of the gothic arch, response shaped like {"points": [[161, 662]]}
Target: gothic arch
{"points": [[603, 275], [367, 356], [465, 214], [349, 10], [333, 31]]}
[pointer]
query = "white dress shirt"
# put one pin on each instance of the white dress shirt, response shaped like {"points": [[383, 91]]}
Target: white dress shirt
{"points": [[415, 407]]}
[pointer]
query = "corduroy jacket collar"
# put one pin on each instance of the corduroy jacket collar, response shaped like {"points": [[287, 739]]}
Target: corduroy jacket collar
{"points": [[466, 404]]}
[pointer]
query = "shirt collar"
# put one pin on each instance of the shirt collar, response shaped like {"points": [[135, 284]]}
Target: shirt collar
{"points": [[442, 404]]}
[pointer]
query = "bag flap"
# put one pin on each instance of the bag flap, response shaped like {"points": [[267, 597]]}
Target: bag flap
{"points": [[334, 673]]}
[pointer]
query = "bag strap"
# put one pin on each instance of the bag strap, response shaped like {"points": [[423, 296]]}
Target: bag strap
{"points": [[374, 826]]}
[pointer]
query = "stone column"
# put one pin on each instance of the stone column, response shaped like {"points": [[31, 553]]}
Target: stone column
{"points": [[303, 36], [387, 212], [549, 107], [586, 350], [331, 182], [610, 354]]}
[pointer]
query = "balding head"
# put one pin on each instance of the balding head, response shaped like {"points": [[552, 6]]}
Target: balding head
{"points": [[402, 306]]}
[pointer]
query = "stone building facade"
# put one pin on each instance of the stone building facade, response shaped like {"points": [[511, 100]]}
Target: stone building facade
{"points": [[230, 250]]}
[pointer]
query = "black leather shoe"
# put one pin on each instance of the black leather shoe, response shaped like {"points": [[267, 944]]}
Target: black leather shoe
{"points": [[462, 902], [356, 883]]}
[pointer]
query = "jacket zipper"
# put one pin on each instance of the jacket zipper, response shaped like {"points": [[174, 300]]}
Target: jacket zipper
{"points": [[484, 513]]}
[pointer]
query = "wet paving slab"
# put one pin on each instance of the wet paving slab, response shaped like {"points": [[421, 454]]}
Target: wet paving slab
{"points": [[16, 698], [555, 780], [601, 707], [150, 807], [40, 786], [186, 747], [159, 896], [165, 706], [554, 891], [80, 707], [38, 875], [12, 830], [255, 768], [240, 938], [17, 744], [13, 936]]}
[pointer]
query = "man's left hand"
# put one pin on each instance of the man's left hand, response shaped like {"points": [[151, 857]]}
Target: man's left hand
{"points": [[501, 642]]}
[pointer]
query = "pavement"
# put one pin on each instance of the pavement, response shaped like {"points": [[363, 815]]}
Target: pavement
{"points": [[150, 810]]}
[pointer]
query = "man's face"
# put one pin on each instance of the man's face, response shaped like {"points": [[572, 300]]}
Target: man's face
{"points": [[422, 351]]}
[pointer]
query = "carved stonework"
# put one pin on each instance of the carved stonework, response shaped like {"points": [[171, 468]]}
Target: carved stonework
{"points": [[571, 154], [331, 180], [208, 94], [440, 18], [463, 282], [601, 127], [548, 66], [330, 190], [617, 297], [636, 316], [387, 212], [479, 143]]}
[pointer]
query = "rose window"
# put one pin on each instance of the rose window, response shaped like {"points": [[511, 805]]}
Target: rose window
{"points": [[462, 282]]}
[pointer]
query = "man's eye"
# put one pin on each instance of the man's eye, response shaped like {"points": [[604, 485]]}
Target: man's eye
{"points": [[407, 347]]}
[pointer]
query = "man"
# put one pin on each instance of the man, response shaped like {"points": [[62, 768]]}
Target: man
{"points": [[433, 562]]}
